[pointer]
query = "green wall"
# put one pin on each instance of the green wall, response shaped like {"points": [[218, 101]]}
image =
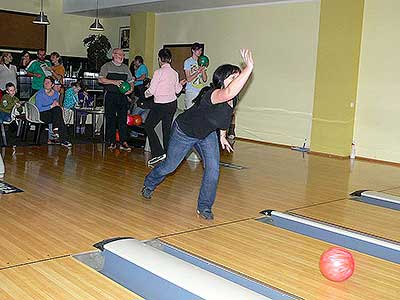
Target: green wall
{"points": [[337, 76], [142, 37]]}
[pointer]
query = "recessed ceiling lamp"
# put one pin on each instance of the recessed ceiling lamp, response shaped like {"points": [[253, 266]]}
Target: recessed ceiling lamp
{"points": [[96, 26], [41, 18]]}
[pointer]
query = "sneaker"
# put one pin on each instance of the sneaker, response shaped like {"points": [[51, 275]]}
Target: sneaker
{"points": [[156, 159], [206, 214], [125, 147], [146, 192], [134, 134], [66, 144], [53, 142], [112, 146]]}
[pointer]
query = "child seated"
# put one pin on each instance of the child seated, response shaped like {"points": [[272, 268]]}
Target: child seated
{"points": [[84, 101], [7, 103], [70, 101]]}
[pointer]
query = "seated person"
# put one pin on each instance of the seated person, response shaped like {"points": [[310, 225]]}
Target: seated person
{"points": [[84, 101], [51, 112], [7, 103], [70, 101], [140, 71]]}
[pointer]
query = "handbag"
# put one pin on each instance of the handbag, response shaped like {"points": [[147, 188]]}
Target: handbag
{"points": [[143, 102]]}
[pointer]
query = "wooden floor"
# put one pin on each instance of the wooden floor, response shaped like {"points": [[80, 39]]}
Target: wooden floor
{"points": [[288, 261], [371, 219], [73, 199]]}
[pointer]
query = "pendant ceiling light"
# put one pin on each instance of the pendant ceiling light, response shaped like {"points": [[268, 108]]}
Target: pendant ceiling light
{"points": [[41, 18], [96, 26]]}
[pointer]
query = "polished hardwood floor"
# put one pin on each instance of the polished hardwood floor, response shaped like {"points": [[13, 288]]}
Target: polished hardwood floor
{"points": [[75, 198], [288, 261]]}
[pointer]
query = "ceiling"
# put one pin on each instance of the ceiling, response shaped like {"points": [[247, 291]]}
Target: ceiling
{"points": [[120, 8]]}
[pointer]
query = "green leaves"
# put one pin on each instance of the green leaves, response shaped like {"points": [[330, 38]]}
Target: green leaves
{"points": [[97, 46]]}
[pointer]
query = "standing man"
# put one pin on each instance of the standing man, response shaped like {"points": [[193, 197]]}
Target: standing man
{"points": [[196, 76], [112, 74], [39, 69]]}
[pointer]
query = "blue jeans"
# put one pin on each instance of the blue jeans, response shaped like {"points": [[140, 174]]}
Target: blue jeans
{"points": [[179, 145], [141, 112], [5, 117]]}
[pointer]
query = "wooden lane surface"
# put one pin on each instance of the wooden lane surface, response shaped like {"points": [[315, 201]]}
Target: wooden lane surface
{"points": [[61, 279], [394, 192], [75, 198], [363, 217], [288, 261], [72, 201]]}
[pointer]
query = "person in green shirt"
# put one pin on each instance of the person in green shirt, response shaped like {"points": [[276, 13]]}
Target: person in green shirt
{"points": [[38, 69], [7, 103]]}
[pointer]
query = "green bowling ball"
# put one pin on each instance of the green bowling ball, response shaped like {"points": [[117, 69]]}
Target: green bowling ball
{"points": [[203, 61], [124, 87]]}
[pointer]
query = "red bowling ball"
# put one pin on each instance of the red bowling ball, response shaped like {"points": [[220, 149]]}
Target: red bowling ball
{"points": [[336, 264], [134, 120]]}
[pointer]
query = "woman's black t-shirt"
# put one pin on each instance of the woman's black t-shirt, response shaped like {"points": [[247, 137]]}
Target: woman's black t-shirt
{"points": [[205, 117]]}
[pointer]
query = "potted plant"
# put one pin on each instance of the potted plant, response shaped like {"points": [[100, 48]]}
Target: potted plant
{"points": [[97, 46]]}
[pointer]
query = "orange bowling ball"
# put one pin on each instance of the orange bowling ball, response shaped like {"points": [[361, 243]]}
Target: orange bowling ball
{"points": [[336, 264], [134, 120]]}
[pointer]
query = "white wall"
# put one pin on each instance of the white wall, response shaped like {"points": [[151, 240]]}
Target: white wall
{"points": [[112, 26], [377, 126], [277, 105]]}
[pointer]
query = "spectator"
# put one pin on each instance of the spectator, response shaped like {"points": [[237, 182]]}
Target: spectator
{"points": [[141, 73], [8, 72], [85, 100], [51, 112], [112, 74], [196, 76], [8, 101], [70, 101], [39, 69], [57, 69], [24, 61]]}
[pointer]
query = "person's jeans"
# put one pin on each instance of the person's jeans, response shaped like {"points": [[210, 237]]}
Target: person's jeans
{"points": [[141, 112], [5, 117], [179, 145]]}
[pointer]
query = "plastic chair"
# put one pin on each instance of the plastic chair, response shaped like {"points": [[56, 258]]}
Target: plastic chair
{"points": [[32, 116]]}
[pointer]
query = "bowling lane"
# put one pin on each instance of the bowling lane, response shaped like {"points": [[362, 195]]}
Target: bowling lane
{"points": [[288, 261], [61, 279], [371, 219]]}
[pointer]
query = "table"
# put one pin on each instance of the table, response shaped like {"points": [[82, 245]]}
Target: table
{"points": [[95, 112]]}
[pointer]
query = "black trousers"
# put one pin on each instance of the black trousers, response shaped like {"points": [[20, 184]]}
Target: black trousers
{"points": [[165, 114], [55, 117], [116, 111]]}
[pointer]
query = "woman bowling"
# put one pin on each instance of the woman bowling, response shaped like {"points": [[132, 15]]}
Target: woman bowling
{"points": [[197, 127]]}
